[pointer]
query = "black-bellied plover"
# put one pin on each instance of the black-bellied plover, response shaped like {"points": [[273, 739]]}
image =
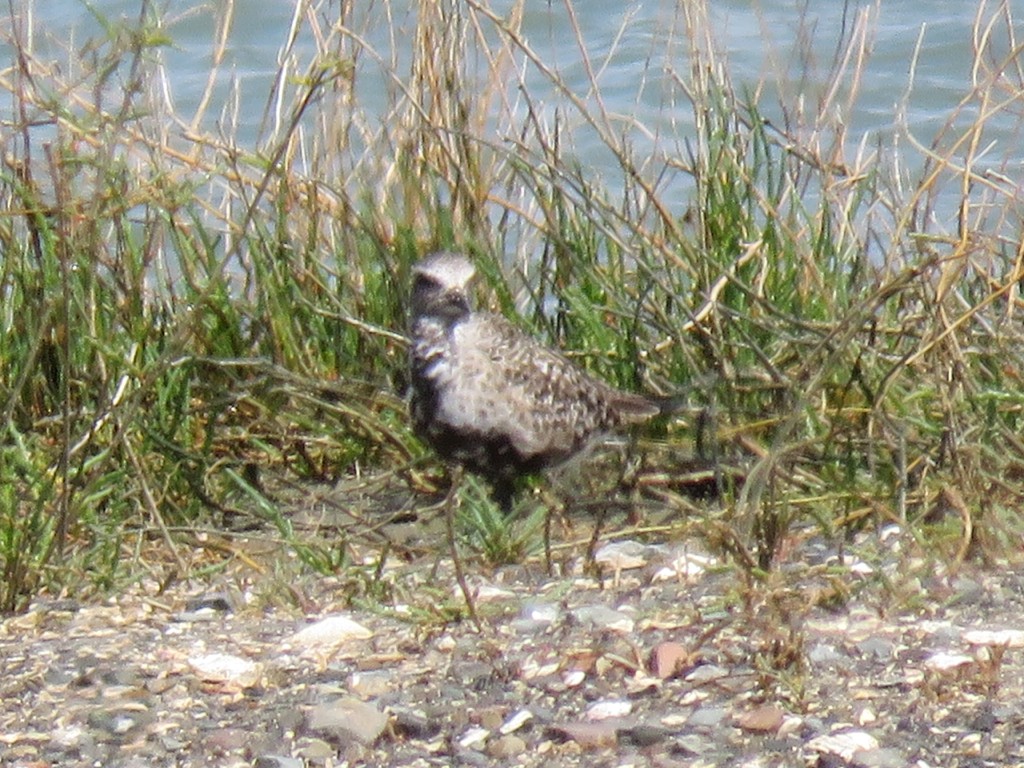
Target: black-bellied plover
{"points": [[492, 399]]}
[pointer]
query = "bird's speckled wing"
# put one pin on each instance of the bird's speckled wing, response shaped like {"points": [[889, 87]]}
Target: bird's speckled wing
{"points": [[509, 384]]}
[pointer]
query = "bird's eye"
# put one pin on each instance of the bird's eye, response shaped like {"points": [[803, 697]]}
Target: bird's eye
{"points": [[424, 283]]}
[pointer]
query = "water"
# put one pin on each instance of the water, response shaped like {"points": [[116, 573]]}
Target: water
{"points": [[637, 50]]}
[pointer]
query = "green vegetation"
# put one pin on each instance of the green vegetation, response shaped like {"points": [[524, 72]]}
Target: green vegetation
{"points": [[191, 327]]}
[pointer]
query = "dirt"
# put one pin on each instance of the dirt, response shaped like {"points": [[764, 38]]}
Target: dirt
{"points": [[673, 655]]}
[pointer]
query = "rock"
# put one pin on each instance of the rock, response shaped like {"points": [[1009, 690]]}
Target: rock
{"points": [[214, 602], [535, 617], [844, 745], [706, 673], [1009, 638], [945, 662], [879, 758], [226, 669], [623, 555], [643, 735], [368, 685], [277, 761], [315, 750], [516, 721], [824, 653], [415, 725], [588, 735], [707, 717], [603, 618], [505, 747], [668, 659], [326, 637], [491, 718], [347, 720], [609, 708], [121, 723], [682, 566], [765, 719], [881, 648]]}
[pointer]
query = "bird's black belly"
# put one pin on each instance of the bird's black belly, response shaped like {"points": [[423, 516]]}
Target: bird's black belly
{"points": [[493, 456]]}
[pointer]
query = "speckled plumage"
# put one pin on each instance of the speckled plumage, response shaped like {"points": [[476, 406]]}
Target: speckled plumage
{"points": [[489, 397]]}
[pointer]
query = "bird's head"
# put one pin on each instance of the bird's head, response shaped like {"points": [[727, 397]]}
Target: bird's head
{"points": [[441, 284]]}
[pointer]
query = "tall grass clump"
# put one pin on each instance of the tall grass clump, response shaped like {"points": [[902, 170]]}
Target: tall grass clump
{"points": [[194, 323]]}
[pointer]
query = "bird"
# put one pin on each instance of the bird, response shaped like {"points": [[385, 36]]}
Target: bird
{"points": [[490, 398]]}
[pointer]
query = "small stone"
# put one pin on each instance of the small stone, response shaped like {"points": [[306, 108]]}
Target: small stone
{"points": [[684, 566], [368, 685], [223, 741], [120, 722], [278, 761], [506, 746], [694, 744], [326, 637], [600, 617], [844, 745], [414, 725], [706, 673], [668, 659], [539, 613], [347, 720], [707, 717], [474, 737], [1009, 638], [227, 669], [623, 555], [866, 716], [765, 719], [491, 718], [315, 750], [603, 710], [879, 758], [824, 653], [215, 602], [587, 735], [517, 721], [643, 735], [881, 648], [947, 662]]}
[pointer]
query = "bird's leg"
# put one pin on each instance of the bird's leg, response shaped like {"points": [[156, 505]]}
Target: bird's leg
{"points": [[553, 506], [589, 563], [451, 502]]}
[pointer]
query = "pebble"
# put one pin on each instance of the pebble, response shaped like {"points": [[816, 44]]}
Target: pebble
{"points": [[505, 747], [277, 761], [326, 637], [214, 602], [879, 758], [881, 648], [643, 735], [226, 668], [1009, 638], [517, 721], [372, 684], [601, 617], [824, 653], [667, 659], [625, 555], [706, 673], [707, 717], [603, 710], [415, 725], [764, 719], [844, 745], [588, 735], [347, 720]]}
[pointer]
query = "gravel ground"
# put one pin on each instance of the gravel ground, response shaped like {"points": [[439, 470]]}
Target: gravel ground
{"points": [[670, 659]]}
